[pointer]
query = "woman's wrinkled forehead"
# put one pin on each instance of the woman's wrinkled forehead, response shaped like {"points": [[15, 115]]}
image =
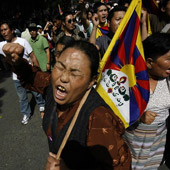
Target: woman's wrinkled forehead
{"points": [[72, 52], [73, 58]]}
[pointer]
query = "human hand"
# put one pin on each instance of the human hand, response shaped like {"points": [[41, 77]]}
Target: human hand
{"points": [[13, 51], [95, 20], [53, 163], [49, 23], [148, 117]]}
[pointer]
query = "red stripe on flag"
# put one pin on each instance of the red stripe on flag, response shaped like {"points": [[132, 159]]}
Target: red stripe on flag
{"points": [[121, 52], [140, 64], [143, 84], [111, 65], [133, 43]]}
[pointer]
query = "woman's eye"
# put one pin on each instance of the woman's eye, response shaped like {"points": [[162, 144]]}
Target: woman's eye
{"points": [[75, 74], [59, 66]]}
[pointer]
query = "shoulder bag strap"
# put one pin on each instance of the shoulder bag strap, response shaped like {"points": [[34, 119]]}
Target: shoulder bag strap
{"points": [[72, 124]]}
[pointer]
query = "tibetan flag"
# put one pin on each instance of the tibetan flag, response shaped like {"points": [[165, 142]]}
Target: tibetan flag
{"points": [[124, 82], [60, 11], [151, 6], [101, 30], [104, 1]]}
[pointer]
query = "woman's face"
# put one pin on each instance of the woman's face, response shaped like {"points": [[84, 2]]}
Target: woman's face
{"points": [[161, 67], [71, 76]]}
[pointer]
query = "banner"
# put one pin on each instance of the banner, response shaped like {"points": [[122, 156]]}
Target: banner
{"points": [[124, 82]]}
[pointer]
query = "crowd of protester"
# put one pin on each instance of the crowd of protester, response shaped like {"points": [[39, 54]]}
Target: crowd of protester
{"points": [[69, 39]]}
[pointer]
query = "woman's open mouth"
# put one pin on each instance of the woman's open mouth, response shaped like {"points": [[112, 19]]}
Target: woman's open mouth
{"points": [[60, 92]]}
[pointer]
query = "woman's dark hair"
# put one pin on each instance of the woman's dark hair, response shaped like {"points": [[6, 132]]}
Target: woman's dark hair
{"points": [[156, 45], [90, 50]]}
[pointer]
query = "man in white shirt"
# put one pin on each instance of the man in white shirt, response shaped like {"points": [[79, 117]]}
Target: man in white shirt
{"points": [[7, 31]]}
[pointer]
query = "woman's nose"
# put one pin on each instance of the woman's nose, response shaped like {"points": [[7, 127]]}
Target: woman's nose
{"points": [[65, 76]]}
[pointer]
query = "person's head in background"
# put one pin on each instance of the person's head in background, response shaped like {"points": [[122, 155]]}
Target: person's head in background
{"points": [[57, 21], [68, 21], [115, 17], [39, 29], [32, 27], [90, 13], [157, 55], [62, 42], [7, 30], [124, 3], [164, 8], [101, 10]]}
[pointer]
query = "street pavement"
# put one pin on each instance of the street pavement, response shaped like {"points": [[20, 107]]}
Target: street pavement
{"points": [[22, 147]]}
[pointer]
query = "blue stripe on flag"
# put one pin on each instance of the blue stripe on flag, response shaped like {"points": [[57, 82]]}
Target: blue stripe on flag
{"points": [[129, 34], [133, 108]]}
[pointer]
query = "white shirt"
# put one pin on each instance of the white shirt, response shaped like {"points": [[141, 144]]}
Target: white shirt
{"points": [[159, 101], [27, 50]]}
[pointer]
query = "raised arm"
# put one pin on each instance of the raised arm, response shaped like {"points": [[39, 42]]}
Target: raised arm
{"points": [[95, 21], [31, 77], [143, 21]]}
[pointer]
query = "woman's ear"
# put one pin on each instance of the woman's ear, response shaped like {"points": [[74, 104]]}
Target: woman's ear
{"points": [[149, 62], [93, 81]]}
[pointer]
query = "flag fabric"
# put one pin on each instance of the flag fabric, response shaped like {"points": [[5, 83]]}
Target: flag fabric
{"points": [[151, 6], [101, 30], [104, 1], [124, 82], [60, 11], [149, 26]]}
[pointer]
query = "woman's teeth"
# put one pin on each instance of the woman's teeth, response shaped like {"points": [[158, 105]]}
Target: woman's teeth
{"points": [[61, 88]]}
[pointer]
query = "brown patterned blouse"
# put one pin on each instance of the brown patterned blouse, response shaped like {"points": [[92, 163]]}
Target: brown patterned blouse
{"points": [[105, 129]]}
